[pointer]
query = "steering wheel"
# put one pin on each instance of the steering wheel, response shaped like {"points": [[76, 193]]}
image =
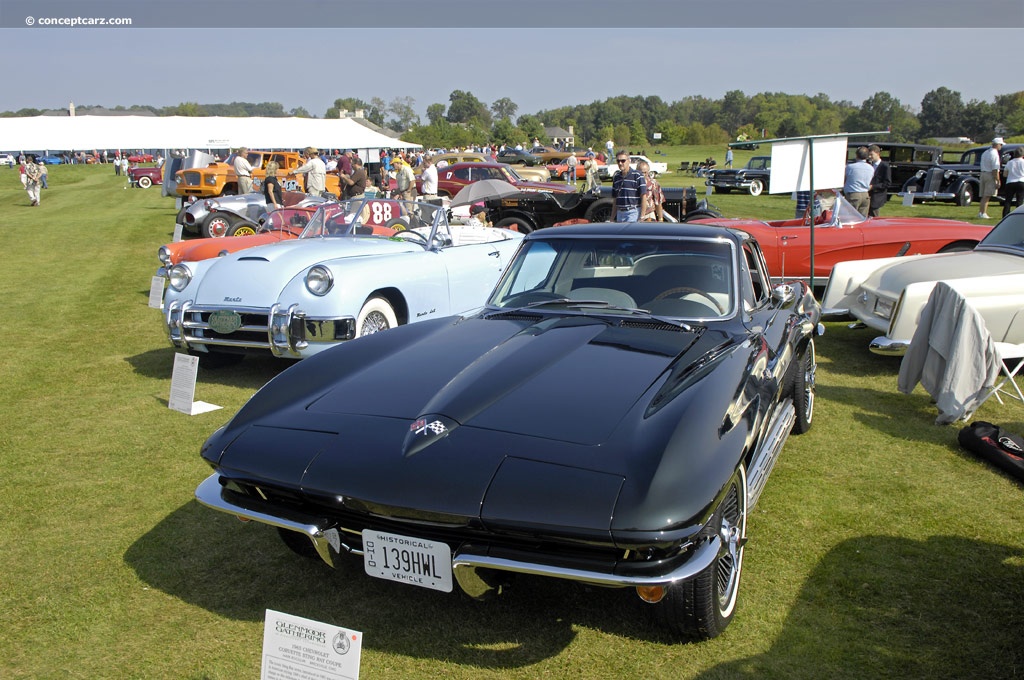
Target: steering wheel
{"points": [[406, 235], [686, 290]]}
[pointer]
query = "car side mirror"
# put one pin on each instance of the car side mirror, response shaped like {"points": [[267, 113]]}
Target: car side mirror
{"points": [[783, 294]]}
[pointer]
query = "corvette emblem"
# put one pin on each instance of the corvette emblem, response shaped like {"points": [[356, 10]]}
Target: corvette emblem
{"points": [[435, 427]]}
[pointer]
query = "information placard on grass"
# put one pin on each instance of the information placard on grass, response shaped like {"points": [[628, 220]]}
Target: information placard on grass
{"points": [[295, 648], [183, 386]]}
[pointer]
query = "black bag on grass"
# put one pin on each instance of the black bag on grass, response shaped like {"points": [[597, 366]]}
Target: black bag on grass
{"points": [[994, 444]]}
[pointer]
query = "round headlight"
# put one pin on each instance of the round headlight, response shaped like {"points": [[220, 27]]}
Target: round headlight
{"points": [[164, 255], [179, 277], [319, 280]]}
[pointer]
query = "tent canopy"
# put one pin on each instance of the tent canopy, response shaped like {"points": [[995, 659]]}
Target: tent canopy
{"points": [[75, 133]]}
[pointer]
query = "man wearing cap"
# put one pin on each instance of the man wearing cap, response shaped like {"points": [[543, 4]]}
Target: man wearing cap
{"points": [[243, 170], [315, 171], [989, 176], [405, 181]]}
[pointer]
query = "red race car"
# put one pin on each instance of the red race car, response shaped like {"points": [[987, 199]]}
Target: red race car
{"points": [[841, 233]]}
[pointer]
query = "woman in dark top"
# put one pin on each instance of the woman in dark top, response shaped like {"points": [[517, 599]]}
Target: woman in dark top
{"points": [[272, 188]]}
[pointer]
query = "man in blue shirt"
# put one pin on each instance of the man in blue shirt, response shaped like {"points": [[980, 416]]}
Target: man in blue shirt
{"points": [[629, 190], [858, 181]]}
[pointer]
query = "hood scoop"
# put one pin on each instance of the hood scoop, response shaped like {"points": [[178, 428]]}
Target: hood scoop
{"points": [[252, 258]]}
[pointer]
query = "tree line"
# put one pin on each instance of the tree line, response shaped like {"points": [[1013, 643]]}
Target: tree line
{"points": [[466, 120]]}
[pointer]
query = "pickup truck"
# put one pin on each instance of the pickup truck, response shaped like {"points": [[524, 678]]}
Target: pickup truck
{"points": [[219, 179]]}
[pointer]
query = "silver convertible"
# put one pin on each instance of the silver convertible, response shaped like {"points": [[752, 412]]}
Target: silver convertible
{"points": [[888, 294], [357, 268]]}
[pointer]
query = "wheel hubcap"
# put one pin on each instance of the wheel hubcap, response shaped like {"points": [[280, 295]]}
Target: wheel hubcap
{"points": [[218, 228], [373, 323], [810, 371], [731, 532]]}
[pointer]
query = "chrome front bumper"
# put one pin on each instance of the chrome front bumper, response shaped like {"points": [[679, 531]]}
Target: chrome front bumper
{"points": [[885, 347], [285, 332], [329, 540]]}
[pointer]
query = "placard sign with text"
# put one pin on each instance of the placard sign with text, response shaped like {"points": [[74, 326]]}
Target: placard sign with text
{"points": [[295, 648]]}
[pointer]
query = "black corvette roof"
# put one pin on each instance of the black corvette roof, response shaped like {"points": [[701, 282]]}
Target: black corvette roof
{"points": [[638, 229]]}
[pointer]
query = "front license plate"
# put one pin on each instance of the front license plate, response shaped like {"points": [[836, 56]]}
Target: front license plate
{"points": [[405, 559]]}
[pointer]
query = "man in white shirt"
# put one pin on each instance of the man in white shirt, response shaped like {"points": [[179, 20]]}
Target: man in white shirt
{"points": [[429, 179], [989, 176], [315, 171], [243, 170]]}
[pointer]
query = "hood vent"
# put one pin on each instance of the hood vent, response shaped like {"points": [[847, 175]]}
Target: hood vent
{"points": [[253, 258], [516, 315], [653, 325]]}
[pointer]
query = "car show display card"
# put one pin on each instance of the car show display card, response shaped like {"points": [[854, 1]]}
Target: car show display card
{"points": [[156, 292], [178, 227], [295, 648], [183, 387]]}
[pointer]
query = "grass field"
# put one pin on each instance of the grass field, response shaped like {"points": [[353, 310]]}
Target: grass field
{"points": [[878, 550]]}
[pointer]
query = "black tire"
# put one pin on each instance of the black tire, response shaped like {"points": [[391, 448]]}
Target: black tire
{"points": [[600, 210], [700, 215], [298, 543], [965, 195], [802, 388], [515, 224], [702, 607], [217, 225], [145, 182], [756, 187]]}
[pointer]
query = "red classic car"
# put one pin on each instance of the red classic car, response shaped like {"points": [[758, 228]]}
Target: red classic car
{"points": [[453, 177], [841, 233], [145, 177], [559, 168], [140, 158]]}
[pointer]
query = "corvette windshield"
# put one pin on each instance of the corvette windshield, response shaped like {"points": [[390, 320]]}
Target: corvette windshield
{"points": [[690, 278], [1009, 232]]}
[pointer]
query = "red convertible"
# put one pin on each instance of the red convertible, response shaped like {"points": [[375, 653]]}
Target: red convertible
{"points": [[140, 158], [841, 233]]}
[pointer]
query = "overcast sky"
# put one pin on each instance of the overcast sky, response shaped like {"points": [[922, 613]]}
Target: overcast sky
{"points": [[536, 68]]}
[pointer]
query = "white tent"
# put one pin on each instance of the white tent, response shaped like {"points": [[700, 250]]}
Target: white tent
{"points": [[77, 133]]}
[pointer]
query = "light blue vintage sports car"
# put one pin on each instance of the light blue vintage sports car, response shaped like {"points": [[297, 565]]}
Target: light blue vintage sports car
{"points": [[359, 267]]}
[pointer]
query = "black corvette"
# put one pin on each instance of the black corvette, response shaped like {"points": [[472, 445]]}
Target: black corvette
{"points": [[610, 417], [531, 210]]}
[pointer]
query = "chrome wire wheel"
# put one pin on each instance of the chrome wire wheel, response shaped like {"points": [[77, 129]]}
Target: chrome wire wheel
{"points": [[375, 316], [733, 531], [803, 387]]}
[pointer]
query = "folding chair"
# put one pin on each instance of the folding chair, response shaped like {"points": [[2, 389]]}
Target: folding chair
{"points": [[1012, 353]]}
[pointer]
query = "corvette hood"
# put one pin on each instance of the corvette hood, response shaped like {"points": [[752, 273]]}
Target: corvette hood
{"points": [[565, 378], [461, 406], [891, 279], [275, 264]]}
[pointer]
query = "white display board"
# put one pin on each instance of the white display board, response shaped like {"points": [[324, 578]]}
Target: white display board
{"points": [[183, 386], [791, 165], [295, 648]]}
